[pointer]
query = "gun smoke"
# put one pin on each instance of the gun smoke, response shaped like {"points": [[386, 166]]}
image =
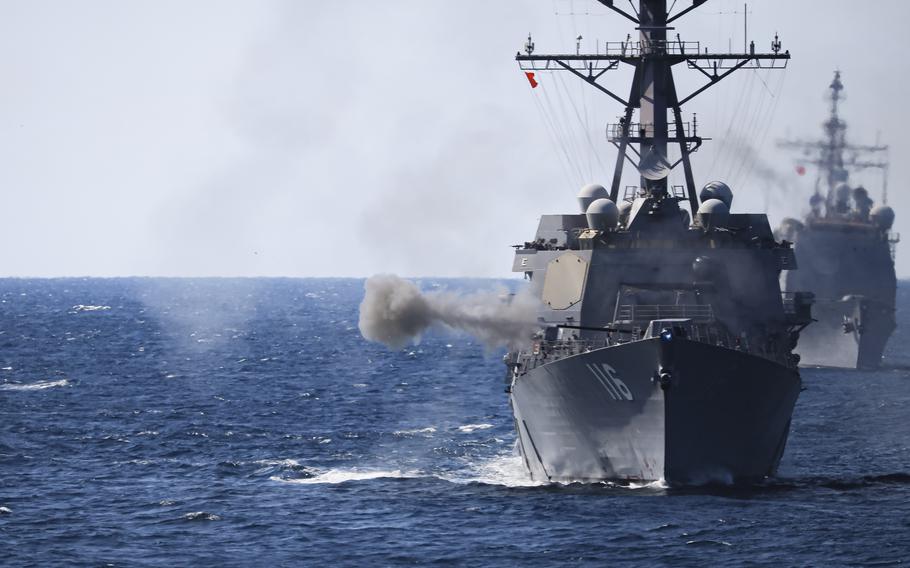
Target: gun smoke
{"points": [[395, 312]]}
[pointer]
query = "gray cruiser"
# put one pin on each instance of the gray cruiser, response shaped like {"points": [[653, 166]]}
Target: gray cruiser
{"points": [[667, 345], [845, 248]]}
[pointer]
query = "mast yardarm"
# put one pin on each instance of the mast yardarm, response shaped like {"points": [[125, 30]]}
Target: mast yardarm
{"points": [[653, 91], [833, 155]]}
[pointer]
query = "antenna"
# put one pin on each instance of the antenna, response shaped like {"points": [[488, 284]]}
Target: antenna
{"points": [[745, 25], [833, 156], [653, 91]]}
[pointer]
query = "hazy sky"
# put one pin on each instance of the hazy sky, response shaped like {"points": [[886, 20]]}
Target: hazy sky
{"points": [[347, 137]]}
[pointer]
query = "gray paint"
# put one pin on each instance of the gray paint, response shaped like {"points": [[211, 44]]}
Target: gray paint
{"points": [[709, 398], [844, 249], [724, 418]]}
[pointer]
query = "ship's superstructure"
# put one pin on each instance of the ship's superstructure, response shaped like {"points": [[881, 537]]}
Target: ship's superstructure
{"points": [[667, 344], [845, 249]]}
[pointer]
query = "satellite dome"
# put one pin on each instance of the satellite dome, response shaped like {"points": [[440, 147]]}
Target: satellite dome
{"points": [[717, 190], [713, 213], [883, 216], [842, 192], [602, 214], [589, 194], [862, 201]]}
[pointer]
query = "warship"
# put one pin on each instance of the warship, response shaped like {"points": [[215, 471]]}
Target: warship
{"points": [[666, 345], [845, 249]]}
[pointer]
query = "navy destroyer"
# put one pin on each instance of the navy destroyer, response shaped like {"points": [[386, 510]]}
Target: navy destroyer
{"points": [[666, 348], [845, 248]]}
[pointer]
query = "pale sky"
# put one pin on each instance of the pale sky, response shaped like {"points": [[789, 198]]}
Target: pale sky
{"points": [[347, 137]]}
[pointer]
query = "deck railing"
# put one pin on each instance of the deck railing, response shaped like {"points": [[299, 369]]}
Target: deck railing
{"points": [[629, 313]]}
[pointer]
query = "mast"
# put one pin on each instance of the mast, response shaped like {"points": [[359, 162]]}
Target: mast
{"points": [[653, 91], [653, 95], [833, 156]]}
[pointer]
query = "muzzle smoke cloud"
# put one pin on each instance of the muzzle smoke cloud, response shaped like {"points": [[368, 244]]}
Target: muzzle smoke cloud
{"points": [[395, 312]]}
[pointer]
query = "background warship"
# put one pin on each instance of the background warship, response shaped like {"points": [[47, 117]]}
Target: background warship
{"points": [[845, 250], [666, 350]]}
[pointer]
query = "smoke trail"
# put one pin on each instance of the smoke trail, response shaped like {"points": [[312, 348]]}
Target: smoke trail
{"points": [[395, 312]]}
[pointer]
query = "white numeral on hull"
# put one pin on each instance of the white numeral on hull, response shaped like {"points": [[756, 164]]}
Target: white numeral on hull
{"points": [[606, 375]]}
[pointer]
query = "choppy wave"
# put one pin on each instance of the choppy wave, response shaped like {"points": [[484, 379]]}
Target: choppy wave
{"points": [[468, 428], [334, 476], [415, 472], [411, 432], [278, 463], [89, 308], [40, 385], [507, 470], [200, 516], [840, 484]]}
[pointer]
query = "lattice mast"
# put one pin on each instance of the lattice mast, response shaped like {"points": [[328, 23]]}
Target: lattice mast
{"points": [[653, 91], [833, 156]]}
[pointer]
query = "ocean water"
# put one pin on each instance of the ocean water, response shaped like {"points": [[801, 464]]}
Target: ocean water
{"points": [[159, 422]]}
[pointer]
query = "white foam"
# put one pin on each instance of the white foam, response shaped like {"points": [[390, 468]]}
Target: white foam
{"points": [[468, 428], [427, 430], [659, 484], [279, 463], [89, 308], [507, 470], [201, 516], [5, 511], [40, 385], [334, 476]]}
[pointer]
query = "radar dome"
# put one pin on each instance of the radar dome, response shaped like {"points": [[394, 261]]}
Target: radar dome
{"points": [[862, 201], [589, 194], [717, 190], [713, 213], [602, 214], [842, 192], [883, 216]]}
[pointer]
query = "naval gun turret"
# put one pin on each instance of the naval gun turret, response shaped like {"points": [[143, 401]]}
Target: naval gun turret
{"points": [[667, 348], [845, 249]]}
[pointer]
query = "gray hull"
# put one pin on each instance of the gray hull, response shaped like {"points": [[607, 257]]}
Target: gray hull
{"points": [[828, 343], [603, 415]]}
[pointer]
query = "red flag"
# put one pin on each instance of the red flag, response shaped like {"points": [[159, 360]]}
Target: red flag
{"points": [[531, 79], [801, 170]]}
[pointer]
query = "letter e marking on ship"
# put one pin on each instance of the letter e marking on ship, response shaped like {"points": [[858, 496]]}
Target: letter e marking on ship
{"points": [[606, 375]]}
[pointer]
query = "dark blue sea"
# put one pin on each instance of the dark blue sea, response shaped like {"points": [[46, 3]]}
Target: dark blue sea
{"points": [[245, 422]]}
